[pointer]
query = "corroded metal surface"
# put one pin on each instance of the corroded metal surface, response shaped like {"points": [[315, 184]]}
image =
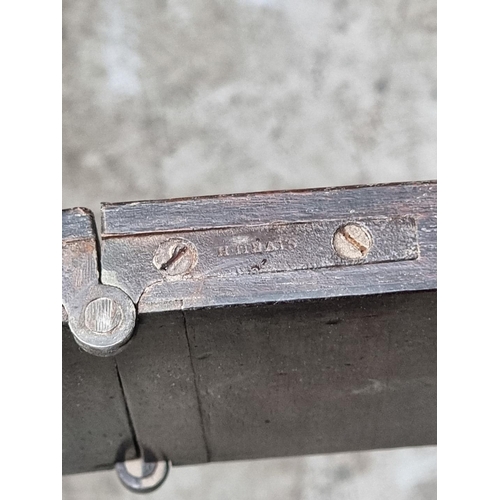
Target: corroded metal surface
{"points": [[101, 317], [134, 263], [267, 247]]}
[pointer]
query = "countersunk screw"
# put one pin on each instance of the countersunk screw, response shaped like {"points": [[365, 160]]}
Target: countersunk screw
{"points": [[352, 241], [175, 256]]}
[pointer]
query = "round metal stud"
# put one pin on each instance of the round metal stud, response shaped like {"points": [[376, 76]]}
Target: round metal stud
{"points": [[103, 315], [105, 322]]}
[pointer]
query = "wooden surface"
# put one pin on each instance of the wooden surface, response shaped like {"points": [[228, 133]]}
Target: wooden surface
{"points": [[253, 208], [291, 361], [95, 424], [159, 385], [318, 376]]}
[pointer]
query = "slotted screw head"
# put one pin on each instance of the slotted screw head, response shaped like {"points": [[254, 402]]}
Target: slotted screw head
{"points": [[352, 241], [175, 256]]}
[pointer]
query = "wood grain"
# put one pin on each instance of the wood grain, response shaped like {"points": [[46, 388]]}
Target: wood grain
{"points": [[319, 376], [253, 208]]}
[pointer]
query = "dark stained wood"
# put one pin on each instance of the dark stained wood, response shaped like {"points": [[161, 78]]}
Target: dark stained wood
{"points": [[319, 376], [94, 416], [159, 384]]}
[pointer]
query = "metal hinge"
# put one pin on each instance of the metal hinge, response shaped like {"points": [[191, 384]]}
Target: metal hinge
{"points": [[101, 317], [180, 254]]}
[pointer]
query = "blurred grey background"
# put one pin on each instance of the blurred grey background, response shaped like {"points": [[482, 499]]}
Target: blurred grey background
{"points": [[170, 98]]}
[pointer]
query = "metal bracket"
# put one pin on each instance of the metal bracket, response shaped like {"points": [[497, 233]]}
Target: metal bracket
{"points": [[183, 260], [157, 261], [101, 317]]}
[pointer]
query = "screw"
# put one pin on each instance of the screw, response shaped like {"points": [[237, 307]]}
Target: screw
{"points": [[175, 256], [352, 241], [102, 315]]}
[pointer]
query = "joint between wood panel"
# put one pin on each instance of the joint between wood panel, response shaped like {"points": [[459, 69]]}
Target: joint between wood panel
{"points": [[198, 397]]}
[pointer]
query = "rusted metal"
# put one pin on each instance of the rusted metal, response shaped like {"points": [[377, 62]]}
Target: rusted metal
{"points": [[353, 241], [175, 256], [101, 317], [237, 253]]}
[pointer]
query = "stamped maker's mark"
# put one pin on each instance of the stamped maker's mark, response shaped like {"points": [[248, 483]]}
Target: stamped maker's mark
{"points": [[256, 247]]}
